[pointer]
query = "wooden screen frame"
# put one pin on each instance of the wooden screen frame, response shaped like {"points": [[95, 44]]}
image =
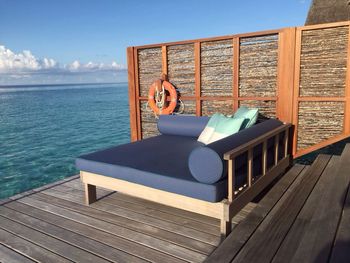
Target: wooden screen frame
{"points": [[288, 80], [297, 98]]}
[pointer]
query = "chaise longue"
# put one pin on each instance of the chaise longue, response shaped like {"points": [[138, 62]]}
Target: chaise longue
{"points": [[173, 168]]}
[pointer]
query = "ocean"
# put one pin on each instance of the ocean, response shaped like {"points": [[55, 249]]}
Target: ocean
{"points": [[44, 128]]}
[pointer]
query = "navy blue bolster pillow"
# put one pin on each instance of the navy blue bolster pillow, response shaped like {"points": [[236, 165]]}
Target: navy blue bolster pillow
{"points": [[207, 164], [183, 125]]}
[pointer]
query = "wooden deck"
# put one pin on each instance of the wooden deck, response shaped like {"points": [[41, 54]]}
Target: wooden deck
{"points": [[304, 217], [52, 224]]}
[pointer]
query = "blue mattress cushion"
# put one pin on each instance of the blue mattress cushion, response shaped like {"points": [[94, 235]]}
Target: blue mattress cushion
{"points": [[162, 162], [159, 162], [206, 163]]}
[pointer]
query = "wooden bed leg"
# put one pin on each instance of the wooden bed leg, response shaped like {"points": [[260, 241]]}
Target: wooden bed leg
{"points": [[226, 221], [225, 228], [90, 194]]}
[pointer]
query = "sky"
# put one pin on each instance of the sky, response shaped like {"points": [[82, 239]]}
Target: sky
{"points": [[85, 41]]}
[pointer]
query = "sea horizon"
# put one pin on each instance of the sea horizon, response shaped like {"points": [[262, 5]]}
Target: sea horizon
{"points": [[60, 84]]}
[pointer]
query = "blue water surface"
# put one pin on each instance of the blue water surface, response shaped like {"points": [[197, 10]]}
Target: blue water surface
{"points": [[43, 129]]}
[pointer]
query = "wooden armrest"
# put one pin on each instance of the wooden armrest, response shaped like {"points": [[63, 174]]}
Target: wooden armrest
{"points": [[246, 146]]}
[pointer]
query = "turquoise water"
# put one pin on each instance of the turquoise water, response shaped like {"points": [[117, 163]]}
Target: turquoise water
{"points": [[43, 129]]}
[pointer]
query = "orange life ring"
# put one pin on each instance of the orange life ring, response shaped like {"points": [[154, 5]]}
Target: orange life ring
{"points": [[158, 87]]}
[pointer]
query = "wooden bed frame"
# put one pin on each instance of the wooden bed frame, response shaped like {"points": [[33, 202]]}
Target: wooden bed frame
{"points": [[227, 208]]}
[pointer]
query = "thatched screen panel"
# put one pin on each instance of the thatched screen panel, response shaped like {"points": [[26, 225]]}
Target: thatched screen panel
{"points": [[216, 59], [209, 107], [323, 61], [320, 99], [150, 67], [298, 74], [148, 122], [319, 121], [181, 68], [258, 58]]}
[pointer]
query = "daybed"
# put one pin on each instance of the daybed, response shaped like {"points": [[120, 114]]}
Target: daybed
{"points": [[175, 169]]}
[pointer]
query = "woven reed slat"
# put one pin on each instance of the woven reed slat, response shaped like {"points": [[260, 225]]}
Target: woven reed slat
{"points": [[323, 62], [211, 107], [181, 68], [216, 68], [150, 68], [319, 121], [258, 66]]}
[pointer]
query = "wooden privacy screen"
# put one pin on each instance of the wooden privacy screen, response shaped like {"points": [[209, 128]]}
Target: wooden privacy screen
{"points": [[299, 75]]}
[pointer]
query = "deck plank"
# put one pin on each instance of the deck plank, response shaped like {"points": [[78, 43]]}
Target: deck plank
{"points": [[140, 209], [182, 217], [263, 245], [239, 236], [190, 241], [113, 197], [48, 242], [311, 237], [106, 194], [29, 249], [95, 234], [69, 237], [158, 244], [341, 248], [7, 255], [181, 229]]}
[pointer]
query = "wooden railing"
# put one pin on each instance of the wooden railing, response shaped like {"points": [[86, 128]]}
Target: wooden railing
{"points": [[240, 197]]}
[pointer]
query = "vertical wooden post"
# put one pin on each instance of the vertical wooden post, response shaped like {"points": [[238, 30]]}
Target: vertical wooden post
{"points": [[277, 139], [132, 93], [285, 74], [235, 84], [90, 194], [264, 158], [347, 91], [225, 221], [250, 167], [286, 143], [164, 60], [296, 88], [197, 73], [137, 93], [231, 180], [225, 228]]}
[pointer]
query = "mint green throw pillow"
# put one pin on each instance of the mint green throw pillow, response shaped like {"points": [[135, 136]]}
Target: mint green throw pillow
{"points": [[250, 116], [209, 129], [226, 126], [218, 127]]}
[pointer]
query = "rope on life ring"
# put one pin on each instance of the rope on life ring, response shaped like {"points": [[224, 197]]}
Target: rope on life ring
{"points": [[157, 97]]}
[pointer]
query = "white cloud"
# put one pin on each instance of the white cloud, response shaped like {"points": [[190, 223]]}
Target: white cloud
{"points": [[24, 63], [76, 66], [49, 63]]}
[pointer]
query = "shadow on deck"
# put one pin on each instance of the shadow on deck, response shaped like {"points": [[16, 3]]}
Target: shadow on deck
{"points": [[304, 217]]}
